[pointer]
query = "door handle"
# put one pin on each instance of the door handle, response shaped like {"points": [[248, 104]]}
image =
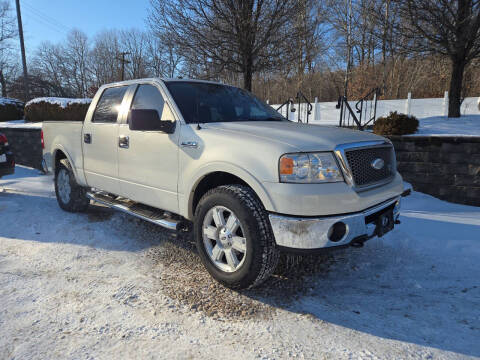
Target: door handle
{"points": [[123, 141], [190, 144], [87, 138]]}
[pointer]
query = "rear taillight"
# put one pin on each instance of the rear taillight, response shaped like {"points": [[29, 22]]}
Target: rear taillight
{"points": [[43, 143], [3, 139]]}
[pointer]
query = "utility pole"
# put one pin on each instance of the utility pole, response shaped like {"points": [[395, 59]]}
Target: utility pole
{"points": [[123, 61], [22, 49], [348, 25]]}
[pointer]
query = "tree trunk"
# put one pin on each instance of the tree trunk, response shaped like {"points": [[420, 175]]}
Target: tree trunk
{"points": [[455, 92], [3, 83], [247, 75]]}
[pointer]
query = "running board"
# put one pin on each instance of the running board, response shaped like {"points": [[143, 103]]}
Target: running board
{"points": [[141, 211]]}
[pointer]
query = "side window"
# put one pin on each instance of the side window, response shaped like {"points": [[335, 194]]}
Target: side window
{"points": [[148, 97], [109, 105]]}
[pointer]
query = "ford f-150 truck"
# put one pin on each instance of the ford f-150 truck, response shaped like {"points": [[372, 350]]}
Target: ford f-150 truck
{"points": [[214, 158]]}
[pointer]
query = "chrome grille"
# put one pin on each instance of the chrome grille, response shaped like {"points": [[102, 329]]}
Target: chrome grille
{"points": [[360, 164]]}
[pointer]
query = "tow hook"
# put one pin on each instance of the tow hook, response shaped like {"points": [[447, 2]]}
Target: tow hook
{"points": [[356, 244], [359, 241]]}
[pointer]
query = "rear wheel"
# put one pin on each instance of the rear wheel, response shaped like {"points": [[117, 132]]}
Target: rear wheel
{"points": [[234, 238], [70, 196]]}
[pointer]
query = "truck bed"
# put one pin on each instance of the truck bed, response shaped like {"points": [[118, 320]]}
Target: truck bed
{"points": [[67, 135]]}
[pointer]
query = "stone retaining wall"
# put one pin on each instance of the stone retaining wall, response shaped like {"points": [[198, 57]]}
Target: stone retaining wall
{"points": [[446, 167], [26, 145]]}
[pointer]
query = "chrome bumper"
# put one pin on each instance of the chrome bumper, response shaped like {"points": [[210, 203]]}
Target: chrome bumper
{"points": [[313, 233]]}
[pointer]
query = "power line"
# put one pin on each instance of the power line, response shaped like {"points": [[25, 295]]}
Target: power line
{"points": [[39, 20], [47, 18]]}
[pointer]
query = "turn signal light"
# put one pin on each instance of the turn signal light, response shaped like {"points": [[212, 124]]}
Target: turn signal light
{"points": [[286, 166]]}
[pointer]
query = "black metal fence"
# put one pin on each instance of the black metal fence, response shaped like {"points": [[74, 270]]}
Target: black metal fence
{"points": [[362, 115]]}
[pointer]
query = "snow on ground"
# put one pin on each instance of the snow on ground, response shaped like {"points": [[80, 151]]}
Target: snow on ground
{"points": [[467, 125], [85, 286], [4, 101], [430, 113], [62, 102]]}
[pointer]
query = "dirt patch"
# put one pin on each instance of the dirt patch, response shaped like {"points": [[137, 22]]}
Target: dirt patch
{"points": [[184, 279], [99, 213]]}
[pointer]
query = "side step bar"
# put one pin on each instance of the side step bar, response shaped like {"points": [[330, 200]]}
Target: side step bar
{"points": [[141, 211]]}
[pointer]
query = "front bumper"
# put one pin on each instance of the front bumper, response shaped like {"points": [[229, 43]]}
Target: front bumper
{"points": [[315, 233]]}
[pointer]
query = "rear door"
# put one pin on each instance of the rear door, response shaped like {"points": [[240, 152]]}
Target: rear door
{"points": [[148, 165], [100, 140]]}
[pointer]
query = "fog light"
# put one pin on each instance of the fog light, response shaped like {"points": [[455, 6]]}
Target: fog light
{"points": [[337, 231]]}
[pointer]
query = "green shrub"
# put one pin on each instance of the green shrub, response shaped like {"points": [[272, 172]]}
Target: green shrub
{"points": [[396, 124], [10, 109], [47, 111]]}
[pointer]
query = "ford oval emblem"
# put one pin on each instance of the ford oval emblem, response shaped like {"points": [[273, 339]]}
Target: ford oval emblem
{"points": [[378, 164]]}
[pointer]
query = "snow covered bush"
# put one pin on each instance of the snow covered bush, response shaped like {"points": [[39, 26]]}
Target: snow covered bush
{"points": [[396, 124], [10, 109], [52, 108]]}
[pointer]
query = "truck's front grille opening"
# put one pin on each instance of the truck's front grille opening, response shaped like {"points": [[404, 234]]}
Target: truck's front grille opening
{"points": [[362, 165]]}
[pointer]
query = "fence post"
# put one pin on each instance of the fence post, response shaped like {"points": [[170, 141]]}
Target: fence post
{"points": [[445, 104], [314, 117], [408, 105]]}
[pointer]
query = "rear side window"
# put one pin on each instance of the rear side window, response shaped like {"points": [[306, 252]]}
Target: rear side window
{"points": [[109, 105], [149, 97]]}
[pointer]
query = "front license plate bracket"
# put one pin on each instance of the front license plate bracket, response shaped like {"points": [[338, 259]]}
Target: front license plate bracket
{"points": [[384, 223]]}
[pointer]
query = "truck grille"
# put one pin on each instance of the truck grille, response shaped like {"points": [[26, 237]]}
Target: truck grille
{"points": [[360, 163]]}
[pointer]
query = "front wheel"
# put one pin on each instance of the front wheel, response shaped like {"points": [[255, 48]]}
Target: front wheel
{"points": [[70, 196], [234, 237]]}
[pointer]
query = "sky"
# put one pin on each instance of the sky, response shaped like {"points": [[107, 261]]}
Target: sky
{"points": [[51, 20]]}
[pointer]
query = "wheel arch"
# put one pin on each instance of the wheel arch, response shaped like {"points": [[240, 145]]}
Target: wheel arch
{"points": [[60, 153], [226, 175]]}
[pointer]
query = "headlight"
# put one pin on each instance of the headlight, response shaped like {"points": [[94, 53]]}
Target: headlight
{"points": [[309, 168]]}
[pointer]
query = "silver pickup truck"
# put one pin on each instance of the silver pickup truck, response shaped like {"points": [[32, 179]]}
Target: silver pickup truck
{"points": [[183, 153]]}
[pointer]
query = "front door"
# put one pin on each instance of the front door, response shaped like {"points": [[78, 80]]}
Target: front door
{"points": [[148, 160], [100, 141]]}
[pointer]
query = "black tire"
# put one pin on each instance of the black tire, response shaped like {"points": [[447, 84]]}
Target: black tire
{"points": [[77, 200], [261, 255]]}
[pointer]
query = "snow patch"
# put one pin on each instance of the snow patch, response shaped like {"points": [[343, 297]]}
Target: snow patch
{"points": [[80, 285], [4, 101], [429, 112], [62, 102]]}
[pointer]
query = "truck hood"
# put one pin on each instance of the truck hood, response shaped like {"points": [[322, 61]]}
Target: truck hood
{"points": [[297, 136]]}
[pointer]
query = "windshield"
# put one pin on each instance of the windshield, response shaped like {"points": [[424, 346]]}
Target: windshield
{"points": [[206, 103]]}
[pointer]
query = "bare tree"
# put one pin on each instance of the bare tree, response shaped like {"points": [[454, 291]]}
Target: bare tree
{"points": [[135, 43], [105, 64], [8, 31], [241, 36], [50, 62], [163, 55], [447, 27], [76, 52]]}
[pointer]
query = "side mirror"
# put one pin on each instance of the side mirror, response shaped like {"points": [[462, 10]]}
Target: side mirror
{"points": [[149, 120]]}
